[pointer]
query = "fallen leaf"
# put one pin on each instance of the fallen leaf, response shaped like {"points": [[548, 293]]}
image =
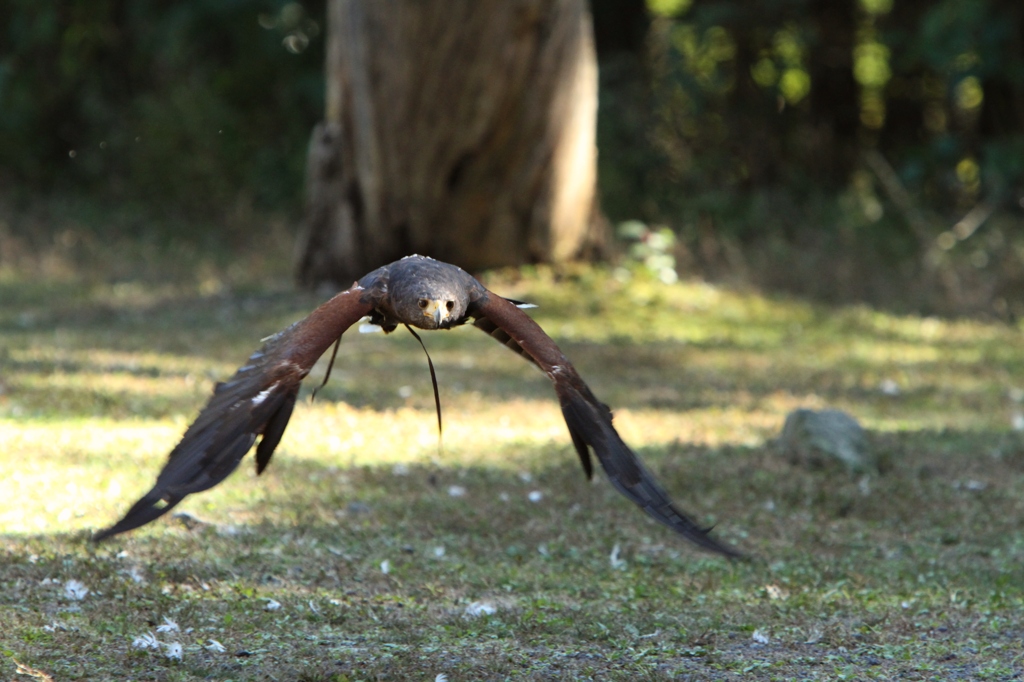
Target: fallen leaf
{"points": [[23, 669]]}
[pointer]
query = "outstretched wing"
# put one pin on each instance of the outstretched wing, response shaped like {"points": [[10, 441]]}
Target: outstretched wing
{"points": [[256, 401], [588, 419]]}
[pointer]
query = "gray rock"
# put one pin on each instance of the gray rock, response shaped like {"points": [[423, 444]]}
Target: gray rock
{"points": [[812, 438]]}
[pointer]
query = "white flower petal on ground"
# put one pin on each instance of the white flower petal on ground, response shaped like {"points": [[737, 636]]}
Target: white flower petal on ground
{"points": [[614, 559], [535, 496], [272, 604], [146, 641], [174, 651], [168, 626], [439, 551], [760, 637], [456, 491], [441, 677], [75, 589], [385, 567], [889, 387], [481, 608], [215, 646]]}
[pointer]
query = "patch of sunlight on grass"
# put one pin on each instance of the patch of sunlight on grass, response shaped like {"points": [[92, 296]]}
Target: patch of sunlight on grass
{"points": [[47, 380], [63, 475], [91, 404], [97, 385], [102, 361], [712, 427], [108, 386], [902, 353], [343, 435]]}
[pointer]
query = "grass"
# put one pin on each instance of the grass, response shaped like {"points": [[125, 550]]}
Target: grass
{"points": [[916, 573]]}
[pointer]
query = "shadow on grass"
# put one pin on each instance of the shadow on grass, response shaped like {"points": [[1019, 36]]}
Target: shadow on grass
{"points": [[870, 578], [942, 493], [209, 336]]}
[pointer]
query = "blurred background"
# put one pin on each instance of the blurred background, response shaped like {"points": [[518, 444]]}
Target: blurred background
{"points": [[849, 151]]}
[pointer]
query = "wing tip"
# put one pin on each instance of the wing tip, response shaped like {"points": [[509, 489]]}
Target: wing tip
{"points": [[102, 535], [712, 545], [151, 507]]}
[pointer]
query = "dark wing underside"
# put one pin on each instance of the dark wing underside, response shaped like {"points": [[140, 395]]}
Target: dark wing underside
{"points": [[501, 336], [589, 420], [256, 401]]}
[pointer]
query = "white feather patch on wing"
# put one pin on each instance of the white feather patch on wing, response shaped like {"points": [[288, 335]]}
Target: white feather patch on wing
{"points": [[367, 328], [262, 395]]}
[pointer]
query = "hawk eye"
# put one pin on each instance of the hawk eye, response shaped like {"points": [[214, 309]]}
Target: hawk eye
{"points": [[423, 303], [450, 305]]}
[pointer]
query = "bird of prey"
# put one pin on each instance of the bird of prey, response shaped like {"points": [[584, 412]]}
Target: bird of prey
{"points": [[418, 291]]}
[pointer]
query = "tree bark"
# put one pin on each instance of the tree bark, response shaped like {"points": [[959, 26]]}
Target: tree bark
{"points": [[459, 129]]}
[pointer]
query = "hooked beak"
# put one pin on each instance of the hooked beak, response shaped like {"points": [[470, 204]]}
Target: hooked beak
{"points": [[437, 310]]}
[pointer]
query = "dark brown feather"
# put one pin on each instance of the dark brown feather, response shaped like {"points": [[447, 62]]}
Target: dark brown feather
{"points": [[256, 401], [590, 421], [494, 331]]}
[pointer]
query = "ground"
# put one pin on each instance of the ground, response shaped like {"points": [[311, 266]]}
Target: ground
{"points": [[368, 551]]}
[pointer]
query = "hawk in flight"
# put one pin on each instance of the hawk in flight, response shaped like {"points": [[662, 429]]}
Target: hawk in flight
{"points": [[418, 291]]}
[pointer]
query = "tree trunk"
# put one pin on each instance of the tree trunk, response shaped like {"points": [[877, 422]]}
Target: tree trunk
{"points": [[459, 129]]}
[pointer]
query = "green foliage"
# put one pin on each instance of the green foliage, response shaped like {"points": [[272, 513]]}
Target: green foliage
{"points": [[752, 124], [742, 126], [650, 248], [189, 104], [740, 89]]}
